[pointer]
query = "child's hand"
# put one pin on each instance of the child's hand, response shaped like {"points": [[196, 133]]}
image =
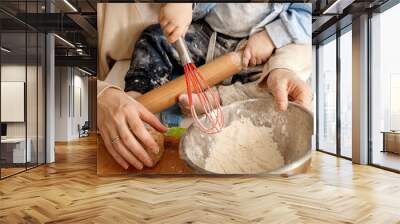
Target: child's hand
{"points": [[285, 85], [183, 102], [258, 49], [175, 19]]}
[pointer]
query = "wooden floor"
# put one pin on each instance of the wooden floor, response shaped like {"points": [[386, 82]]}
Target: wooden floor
{"points": [[387, 159], [333, 191], [5, 172]]}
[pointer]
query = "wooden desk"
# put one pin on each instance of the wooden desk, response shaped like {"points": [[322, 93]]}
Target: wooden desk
{"points": [[13, 151], [391, 141]]}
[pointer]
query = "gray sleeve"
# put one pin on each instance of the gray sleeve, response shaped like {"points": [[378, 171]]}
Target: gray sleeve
{"points": [[200, 10]]}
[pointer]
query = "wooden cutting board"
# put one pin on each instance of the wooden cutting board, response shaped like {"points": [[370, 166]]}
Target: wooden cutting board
{"points": [[170, 162]]}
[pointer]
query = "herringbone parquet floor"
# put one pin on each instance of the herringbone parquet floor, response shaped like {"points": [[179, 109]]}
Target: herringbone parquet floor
{"points": [[333, 191]]}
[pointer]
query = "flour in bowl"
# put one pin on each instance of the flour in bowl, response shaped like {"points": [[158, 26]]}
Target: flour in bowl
{"points": [[243, 148]]}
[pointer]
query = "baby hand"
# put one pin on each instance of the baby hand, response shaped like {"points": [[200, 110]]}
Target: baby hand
{"points": [[174, 19], [285, 85], [183, 102], [258, 49]]}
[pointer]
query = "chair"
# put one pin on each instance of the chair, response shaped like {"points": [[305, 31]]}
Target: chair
{"points": [[84, 130]]}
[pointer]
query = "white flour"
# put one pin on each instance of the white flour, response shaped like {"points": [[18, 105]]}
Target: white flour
{"points": [[243, 148]]}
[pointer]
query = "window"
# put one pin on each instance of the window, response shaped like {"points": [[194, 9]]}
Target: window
{"points": [[327, 97], [313, 83], [346, 93], [385, 89], [22, 78], [394, 101]]}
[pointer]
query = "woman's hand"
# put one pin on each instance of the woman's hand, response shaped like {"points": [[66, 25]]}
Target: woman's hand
{"points": [[174, 19], [258, 49], [121, 123], [285, 86]]}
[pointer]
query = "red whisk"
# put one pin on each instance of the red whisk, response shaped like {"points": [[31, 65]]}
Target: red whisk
{"points": [[209, 99]]}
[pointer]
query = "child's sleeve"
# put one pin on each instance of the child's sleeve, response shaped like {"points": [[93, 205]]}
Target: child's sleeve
{"points": [[200, 10], [292, 26], [294, 57]]}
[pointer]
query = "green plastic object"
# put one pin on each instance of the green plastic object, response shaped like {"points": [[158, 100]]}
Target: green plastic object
{"points": [[175, 132]]}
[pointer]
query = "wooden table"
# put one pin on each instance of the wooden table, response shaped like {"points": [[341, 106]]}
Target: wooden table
{"points": [[170, 162], [391, 141], [15, 152]]}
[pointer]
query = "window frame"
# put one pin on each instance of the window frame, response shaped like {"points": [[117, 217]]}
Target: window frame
{"points": [[27, 29], [334, 37], [379, 10]]}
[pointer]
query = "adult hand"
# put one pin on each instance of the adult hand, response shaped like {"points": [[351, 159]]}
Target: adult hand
{"points": [[258, 49], [285, 86], [174, 19], [121, 120]]}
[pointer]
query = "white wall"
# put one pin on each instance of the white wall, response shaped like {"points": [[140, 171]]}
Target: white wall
{"points": [[80, 102], [70, 83], [33, 127], [14, 73], [61, 114], [13, 101], [17, 73]]}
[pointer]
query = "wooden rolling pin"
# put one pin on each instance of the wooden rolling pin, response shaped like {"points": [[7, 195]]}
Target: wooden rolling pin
{"points": [[214, 72]]}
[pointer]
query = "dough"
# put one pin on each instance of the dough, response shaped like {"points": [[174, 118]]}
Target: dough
{"points": [[159, 138], [243, 148]]}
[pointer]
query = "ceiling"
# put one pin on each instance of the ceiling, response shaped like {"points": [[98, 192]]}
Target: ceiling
{"points": [[74, 22], [58, 5], [329, 16], [19, 54]]}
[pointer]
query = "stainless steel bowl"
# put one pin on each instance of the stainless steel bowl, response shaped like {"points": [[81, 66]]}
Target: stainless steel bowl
{"points": [[292, 131]]}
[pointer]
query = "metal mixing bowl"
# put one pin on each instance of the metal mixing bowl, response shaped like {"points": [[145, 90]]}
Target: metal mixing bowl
{"points": [[292, 131]]}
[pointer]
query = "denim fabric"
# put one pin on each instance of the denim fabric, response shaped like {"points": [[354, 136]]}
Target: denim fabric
{"points": [[155, 61], [285, 22]]}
